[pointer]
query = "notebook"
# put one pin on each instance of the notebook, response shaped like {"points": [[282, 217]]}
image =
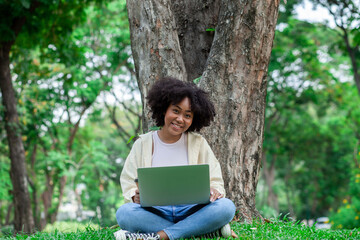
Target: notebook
{"points": [[160, 186]]}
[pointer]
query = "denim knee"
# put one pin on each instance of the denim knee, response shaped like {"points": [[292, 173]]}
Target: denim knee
{"points": [[225, 208], [123, 213]]}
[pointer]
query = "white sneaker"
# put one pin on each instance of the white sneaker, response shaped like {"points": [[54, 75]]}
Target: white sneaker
{"points": [[120, 235], [224, 232], [126, 235]]}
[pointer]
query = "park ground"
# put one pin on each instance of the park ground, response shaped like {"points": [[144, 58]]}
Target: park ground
{"points": [[275, 230]]}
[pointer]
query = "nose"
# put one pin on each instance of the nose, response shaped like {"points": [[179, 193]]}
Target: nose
{"points": [[180, 118]]}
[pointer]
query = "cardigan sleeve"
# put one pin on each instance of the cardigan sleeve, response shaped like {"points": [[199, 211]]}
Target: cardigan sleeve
{"points": [[216, 180], [129, 172]]}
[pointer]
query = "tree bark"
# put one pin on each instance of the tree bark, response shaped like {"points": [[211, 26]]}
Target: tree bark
{"points": [[47, 198], [233, 72], [9, 210], [62, 184], [195, 21], [155, 46], [23, 214], [32, 182], [236, 78]]}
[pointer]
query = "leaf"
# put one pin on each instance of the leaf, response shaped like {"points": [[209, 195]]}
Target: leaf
{"points": [[197, 80], [131, 138], [210, 29], [154, 128]]}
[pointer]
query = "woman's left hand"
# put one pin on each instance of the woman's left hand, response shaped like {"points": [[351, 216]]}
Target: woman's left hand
{"points": [[214, 194]]}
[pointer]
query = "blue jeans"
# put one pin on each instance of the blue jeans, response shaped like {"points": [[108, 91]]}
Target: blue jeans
{"points": [[182, 221]]}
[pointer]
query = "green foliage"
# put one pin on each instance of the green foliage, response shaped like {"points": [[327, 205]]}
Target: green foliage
{"points": [[60, 65], [287, 10], [348, 215], [5, 188], [267, 211], [346, 16], [44, 21], [309, 128], [5, 182]]}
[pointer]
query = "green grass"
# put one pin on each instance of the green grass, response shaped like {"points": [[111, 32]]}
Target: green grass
{"points": [[289, 230], [69, 227], [89, 233], [256, 230]]}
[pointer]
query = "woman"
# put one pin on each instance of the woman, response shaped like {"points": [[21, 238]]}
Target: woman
{"points": [[180, 109]]}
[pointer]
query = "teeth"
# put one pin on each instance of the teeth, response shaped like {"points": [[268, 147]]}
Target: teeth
{"points": [[176, 125]]}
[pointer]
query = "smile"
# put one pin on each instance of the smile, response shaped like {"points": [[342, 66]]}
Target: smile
{"points": [[176, 126]]}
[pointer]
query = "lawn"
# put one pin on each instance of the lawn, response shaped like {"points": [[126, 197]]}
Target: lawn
{"points": [[256, 230]]}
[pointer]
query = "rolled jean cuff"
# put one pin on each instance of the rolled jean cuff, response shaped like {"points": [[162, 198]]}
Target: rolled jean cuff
{"points": [[171, 237]]}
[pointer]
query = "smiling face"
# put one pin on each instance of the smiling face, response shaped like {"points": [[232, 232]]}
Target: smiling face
{"points": [[178, 119]]}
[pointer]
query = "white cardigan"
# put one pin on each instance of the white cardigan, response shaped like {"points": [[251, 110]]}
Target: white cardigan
{"points": [[199, 152]]}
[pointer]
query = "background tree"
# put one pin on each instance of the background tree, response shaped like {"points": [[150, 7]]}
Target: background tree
{"points": [[23, 212], [234, 73], [346, 15], [60, 71]]}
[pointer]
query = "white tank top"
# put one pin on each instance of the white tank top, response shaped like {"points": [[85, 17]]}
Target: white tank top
{"points": [[169, 154]]}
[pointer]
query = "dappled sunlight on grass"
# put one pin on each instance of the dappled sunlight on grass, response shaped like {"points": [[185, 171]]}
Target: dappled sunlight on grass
{"points": [[67, 227]]}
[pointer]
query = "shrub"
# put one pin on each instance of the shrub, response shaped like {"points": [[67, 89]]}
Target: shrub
{"points": [[348, 215]]}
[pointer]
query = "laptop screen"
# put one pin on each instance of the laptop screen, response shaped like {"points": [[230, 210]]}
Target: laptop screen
{"points": [[176, 185]]}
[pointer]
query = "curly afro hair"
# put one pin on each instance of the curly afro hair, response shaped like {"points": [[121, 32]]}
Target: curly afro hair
{"points": [[172, 91]]}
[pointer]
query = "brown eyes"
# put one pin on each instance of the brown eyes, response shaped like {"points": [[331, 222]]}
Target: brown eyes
{"points": [[176, 111]]}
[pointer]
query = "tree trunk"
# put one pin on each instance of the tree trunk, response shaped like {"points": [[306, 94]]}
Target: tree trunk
{"points": [[62, 184], [269, 176], [8, 214], [289, 195], [155, 46], [196, 22], [32, 182], [47, 198], [35, 204], [23, 214], [234, 74], [236, 78]]}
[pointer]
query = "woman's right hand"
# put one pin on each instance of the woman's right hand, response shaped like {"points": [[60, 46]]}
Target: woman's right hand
{"points": [[136, 197]]}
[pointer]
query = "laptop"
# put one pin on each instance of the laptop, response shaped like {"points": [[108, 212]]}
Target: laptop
{"points": [[176, 185]]}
